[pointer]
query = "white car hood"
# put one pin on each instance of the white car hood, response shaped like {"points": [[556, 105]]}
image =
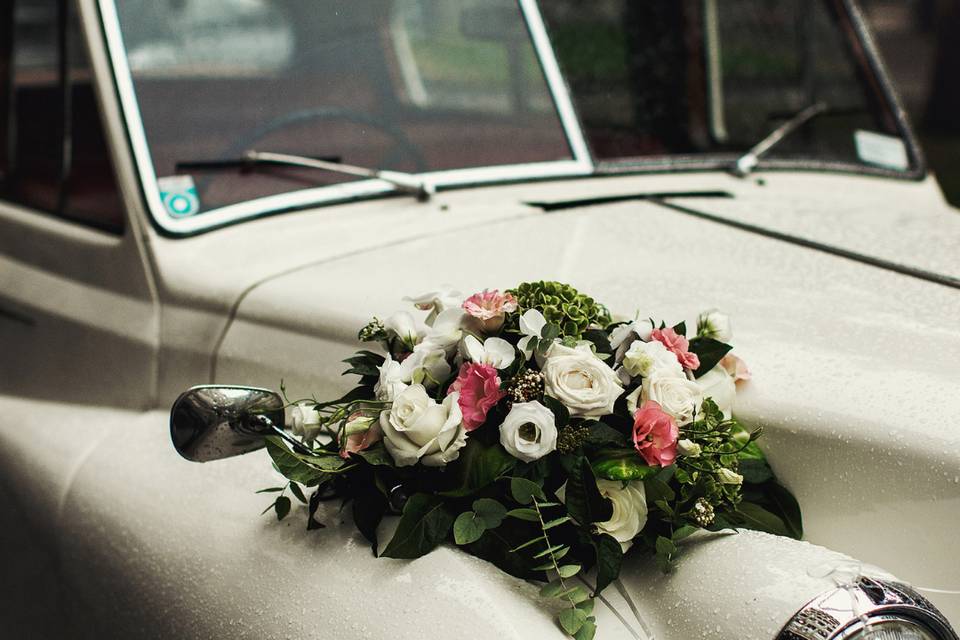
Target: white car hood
{"points": [[855, 368]]}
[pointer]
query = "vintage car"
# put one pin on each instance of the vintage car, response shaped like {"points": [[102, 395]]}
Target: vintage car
{"points": [[225, 192]]}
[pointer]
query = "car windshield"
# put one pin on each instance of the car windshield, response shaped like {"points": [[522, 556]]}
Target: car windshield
{"points": [[470, 91]]}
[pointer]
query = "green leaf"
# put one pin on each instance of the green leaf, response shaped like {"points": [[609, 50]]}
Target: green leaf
{"points": [[271, 490], [680, 328], [569, 570], [583, 500], [665, 546], [586, 606], [376, 456], [556, 522], [554, 550], [478, 466], [709, 351], [572, 620], [524, 491], [784, 505], [528, 543], [683, 532], [530, 515], [560, 413], [603, 434], [468, 528], [424, 524], [291, 465], [755, 471], [297, 492], [621, 464], [552, 589], [609, 558], [577, 594], [587, 631], [369, 507], [282, 507], [550, 332], [753, 516], [490, 512], [657, 490]]}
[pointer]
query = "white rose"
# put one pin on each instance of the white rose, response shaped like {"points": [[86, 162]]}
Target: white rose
{"points": [[689, 448], [580, 380], [529, 431], [720, 386], [714, 324], [391, 381], [496, 352], [629, 510], [648, 358], [676, 395], [726, 476], [417, 428], [402, 326], [305, 420]]}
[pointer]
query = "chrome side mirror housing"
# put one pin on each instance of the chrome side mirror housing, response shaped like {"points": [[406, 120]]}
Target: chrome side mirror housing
{"points": [[210, 422]]}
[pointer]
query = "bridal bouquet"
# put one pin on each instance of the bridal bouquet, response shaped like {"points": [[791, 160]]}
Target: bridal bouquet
{"points": [[533, 430]]}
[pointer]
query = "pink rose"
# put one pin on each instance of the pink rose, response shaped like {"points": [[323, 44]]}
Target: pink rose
{"points": [[362, 440], [736, 367], [655, 434], [677, 344], [489, 307], [479, 387]]}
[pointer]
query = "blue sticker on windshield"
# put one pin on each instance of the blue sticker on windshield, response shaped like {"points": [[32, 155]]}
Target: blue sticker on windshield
{"points": [[179, 196]]}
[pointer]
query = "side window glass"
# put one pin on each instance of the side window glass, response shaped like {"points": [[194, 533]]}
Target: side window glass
{"points": [[56, 157]]}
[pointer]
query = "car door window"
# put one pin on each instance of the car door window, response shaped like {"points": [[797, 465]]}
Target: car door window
{"points": [[55, 157]]}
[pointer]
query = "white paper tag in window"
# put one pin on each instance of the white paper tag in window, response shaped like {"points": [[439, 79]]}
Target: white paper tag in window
{"points": [[880, 150], [179, 196]]}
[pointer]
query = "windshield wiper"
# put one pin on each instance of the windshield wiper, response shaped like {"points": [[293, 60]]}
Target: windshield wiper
{"points": [[405, 182], [746, 163]]}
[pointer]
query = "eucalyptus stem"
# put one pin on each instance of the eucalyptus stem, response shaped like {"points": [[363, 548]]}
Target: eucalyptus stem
{"points": [[553, 557]]}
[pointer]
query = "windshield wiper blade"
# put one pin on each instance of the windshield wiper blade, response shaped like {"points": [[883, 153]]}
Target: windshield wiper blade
{"points": [[746, 163], [405, 182]]}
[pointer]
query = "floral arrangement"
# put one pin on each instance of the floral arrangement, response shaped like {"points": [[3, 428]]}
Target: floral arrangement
{"points": [[532, 430]]}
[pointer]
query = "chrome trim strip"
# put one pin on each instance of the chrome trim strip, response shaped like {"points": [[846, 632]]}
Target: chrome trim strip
{"points": [[556, 83], [580, 165]]}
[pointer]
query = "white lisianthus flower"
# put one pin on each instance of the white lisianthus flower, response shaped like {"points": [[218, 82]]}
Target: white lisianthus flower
{"points": [[436, 302], [496, 352], [445, 332], [676, 395], [391, 381], [305, 420], [403, 326], [580, 380], [529, 431], [648, 358], [426, 366], [719, 385], [689, 448], [714, 324], [532, 323], [629, 510], [623, 336], [726, 476], [418, 429]]}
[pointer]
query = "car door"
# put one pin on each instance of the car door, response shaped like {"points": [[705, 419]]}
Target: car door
{"points": [[78, 319]]}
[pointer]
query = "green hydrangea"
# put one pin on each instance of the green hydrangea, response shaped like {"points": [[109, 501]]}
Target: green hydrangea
{"points": [[561, 305]]}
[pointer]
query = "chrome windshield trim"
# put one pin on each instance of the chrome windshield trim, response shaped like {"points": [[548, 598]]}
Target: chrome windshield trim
{"points": [[558, 86], [320, 196]]}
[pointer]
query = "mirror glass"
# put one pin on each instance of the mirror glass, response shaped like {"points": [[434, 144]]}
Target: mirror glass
{"points": [[212, 422]]}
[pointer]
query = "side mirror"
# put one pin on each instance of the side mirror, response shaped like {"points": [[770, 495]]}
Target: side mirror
{"points": [[211, 422]]}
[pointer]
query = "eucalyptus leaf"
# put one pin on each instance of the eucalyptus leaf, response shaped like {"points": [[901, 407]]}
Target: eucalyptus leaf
{"points": [[524, 491], [530, 515], [587, 631], [569, 570], [490, 512], [572, 620], [467, 528], [424, 524], [552, 589]]}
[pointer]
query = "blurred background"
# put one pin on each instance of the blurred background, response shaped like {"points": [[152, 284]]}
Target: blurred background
{"points": [[920, 42]]}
